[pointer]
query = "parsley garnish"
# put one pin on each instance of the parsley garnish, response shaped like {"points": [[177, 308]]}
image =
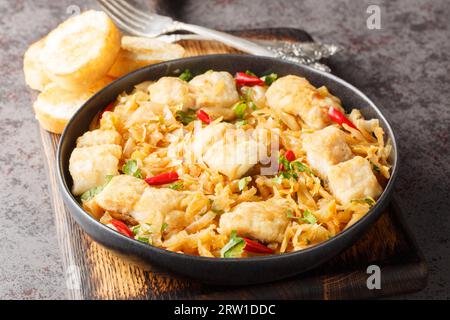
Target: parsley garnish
{"points": [[186, 75], [376, 168], [301, 167], [239, 109], [278, 179], [290, 169], [164, 227], [177, 185], [131, 168], [96, 190], [241, 123], [270, 78], [135, 229], [308, 217], [143, 239], [370, 201], [234, 247], [243, 182], [185, 117]]}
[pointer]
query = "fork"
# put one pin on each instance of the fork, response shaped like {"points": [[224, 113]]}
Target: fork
{"points": [[138, 23], [307, 53]]}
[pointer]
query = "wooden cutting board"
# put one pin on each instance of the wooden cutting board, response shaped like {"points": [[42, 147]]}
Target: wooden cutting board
{"points": [[92, 272]]}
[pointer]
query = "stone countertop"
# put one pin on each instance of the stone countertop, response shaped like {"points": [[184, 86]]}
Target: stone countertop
{"points": [[404, 67]]}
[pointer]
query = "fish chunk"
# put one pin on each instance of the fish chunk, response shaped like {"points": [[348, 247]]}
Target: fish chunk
{"points": [[89, 166], [294, 95], [98, 137], [156, 201], [227, 150], [265, 221], [216, 93], [172, 91], [325, 148], [233, 158], [353, 179], [121, 194]]}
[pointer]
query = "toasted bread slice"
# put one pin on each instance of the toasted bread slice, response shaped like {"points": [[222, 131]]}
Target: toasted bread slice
{"points": [[55, 106], [81, 50], [139, 52], [35, 76]]}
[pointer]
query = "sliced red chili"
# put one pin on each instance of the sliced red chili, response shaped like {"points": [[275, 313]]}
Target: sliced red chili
{"points": [[338, 117], [163, 178], [122, 228], [204, 117], [108, 108], [256, 247], [244, 79], [290, 155]]}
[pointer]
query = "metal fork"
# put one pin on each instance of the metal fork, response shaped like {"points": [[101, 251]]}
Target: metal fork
{"points": [[136, 22]]}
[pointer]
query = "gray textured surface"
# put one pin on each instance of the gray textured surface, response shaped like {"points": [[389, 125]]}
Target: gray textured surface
{"points": [[404, 68]]}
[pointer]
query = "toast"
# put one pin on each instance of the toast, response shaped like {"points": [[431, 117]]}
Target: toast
{"points": [[55, 106], [138, 52], [35, 76], [81, 50]]}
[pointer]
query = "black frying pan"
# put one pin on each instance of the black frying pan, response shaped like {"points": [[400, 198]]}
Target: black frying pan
{"points": [[218, 270]]}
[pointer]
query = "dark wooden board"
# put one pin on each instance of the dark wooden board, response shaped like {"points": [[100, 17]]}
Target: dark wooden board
{"points": [[95, 273]]}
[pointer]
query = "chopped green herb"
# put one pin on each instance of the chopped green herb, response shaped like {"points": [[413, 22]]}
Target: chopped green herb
{"points": [[96, 190], [278, 179], [131, 168], [239, 109], [143, 239], [234, 247], [285, 162], [301, 167], [217, 211], [164, 227], [290, 215], [241, 123], [135, 229], [376, 168], [177, 185], [309, 217], [270, 78], [289, 174], [186, 75], [250, 73], [370, 201], [308, 242], [243, 182], [251, 105], [185, 117]]}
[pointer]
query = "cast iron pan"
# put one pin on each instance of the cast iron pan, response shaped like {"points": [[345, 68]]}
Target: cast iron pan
{"points": [[218, 270]]}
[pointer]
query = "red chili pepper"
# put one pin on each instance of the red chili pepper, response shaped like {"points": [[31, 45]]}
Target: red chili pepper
{"points": [[280, 167], [122, 228], [290, 155], [244, 79], [108, 108], [202, 115], [162, 178], [255, 247], [339, 118]]}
